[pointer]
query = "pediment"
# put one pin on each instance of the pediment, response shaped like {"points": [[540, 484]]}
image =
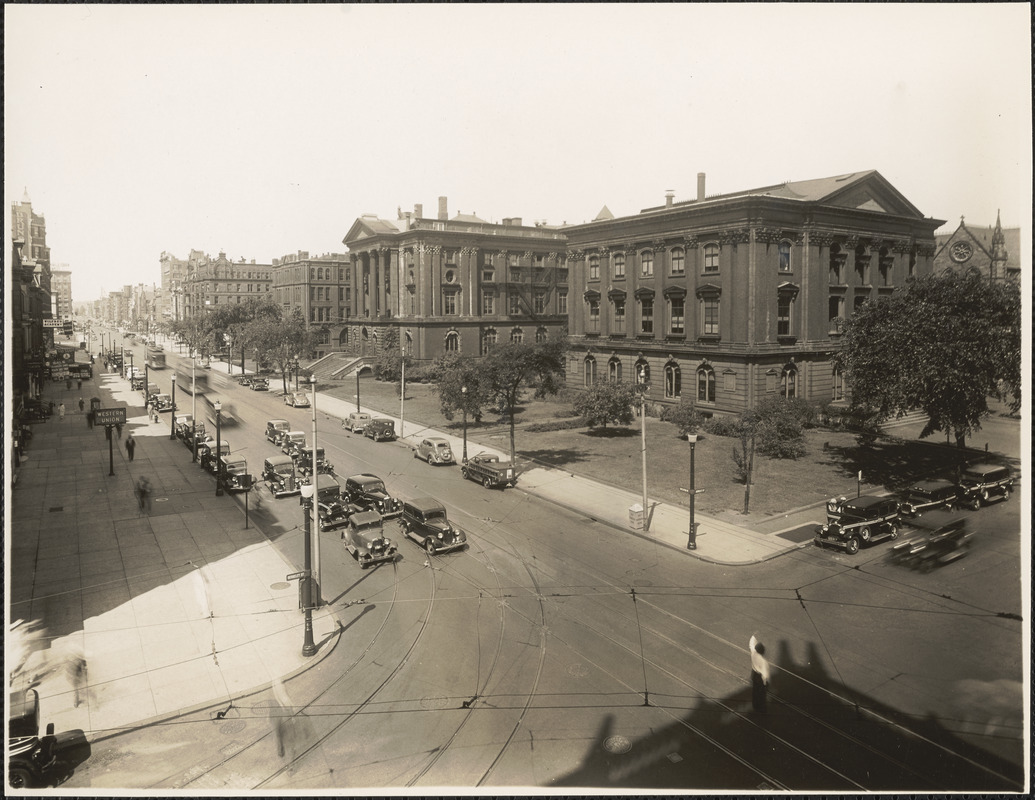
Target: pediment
{"points": [[870, 192]]}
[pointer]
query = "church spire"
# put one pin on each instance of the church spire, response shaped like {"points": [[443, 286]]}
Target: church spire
{"points": [[997, 268]]}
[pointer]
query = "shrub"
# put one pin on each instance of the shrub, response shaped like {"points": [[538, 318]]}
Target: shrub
{"points": [[684, 416], [559, 425], [606, 402], [723, 426]]}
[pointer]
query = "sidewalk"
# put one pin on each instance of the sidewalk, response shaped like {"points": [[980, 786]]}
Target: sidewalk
{"points": [[174, 610]]}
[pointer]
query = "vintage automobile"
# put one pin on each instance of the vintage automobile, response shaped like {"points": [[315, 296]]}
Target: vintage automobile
{"points": [[488, 470], [233, 474], [183, 425], [152, 391], [365, 540], [30, 755], [164, 402], [279, 474], [275, 430], [207, 454], [368, 492], [244, 380], [425, 521], [866, 519], [942, 537], [200, 436], [355, 422], [297, 399], [332, 510], [925, 496], [136, 382], [290, 441], [434, 450], [380, 430], [260, 385], [304, 462], [980, 484]]}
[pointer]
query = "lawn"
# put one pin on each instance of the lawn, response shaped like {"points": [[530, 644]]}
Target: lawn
{"points": [[613, 455]]}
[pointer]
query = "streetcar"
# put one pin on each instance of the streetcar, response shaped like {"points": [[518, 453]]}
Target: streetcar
{"points": [[155, 358]]}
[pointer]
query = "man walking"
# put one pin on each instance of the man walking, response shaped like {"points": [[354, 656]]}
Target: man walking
{"points": [[61, 411], [131, 445], [144, 494], [759, 675], [82, 405]]}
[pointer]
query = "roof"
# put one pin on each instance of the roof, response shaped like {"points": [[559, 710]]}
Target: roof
{"points": [[424, 502], [467, 218], [865, 501]]}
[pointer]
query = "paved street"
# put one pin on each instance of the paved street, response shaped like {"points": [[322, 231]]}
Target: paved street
{"points": [[559, 649]]}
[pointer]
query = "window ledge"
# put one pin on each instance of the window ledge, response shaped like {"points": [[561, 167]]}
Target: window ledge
{"points": [[709, 337], [676, 337], [787, 339], [645, 336], [615, 335]]}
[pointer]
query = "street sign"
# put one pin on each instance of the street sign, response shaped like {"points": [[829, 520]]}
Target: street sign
{"points": [[109, 416], [294, 576], [53, 323]]}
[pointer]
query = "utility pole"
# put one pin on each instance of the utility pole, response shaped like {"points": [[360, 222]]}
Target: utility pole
{"points": [[314, 510]]}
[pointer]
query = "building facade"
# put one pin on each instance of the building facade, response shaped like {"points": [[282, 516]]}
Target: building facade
{"points": [[457, 285], [994, 251], [321, 288], [730, 298], [61, 291], [173, 272], [214, 282]]}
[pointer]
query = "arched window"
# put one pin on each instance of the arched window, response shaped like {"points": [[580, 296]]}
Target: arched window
{"points": [[678, 261], [594, 268], [673, 381], [343, 338], [789, 381], [711, 258], [452, 342], [488, 340], [589, 371], [619, 265], [517, 335], [614, 370], [642, 371], [541, 335], [647, 264], [785, 256], [319, 273], [705, 384]]}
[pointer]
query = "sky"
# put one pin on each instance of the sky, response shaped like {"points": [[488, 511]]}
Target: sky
{"points": [[262, 130]]}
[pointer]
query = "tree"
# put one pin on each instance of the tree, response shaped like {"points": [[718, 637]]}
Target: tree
{"points": [[235, 322], [684, 416], [510, 369], [283, 341], [456, 373], [944, 345], [607, 402]]}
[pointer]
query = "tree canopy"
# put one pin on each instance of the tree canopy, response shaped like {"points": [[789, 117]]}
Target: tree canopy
{"points": [[606, 402], [456, 373], [944, 345]]}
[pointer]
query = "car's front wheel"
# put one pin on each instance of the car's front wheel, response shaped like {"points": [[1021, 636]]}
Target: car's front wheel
{"points": [[486, 483], [864, 532], [430, 547], [852, 546], [19, 777]]}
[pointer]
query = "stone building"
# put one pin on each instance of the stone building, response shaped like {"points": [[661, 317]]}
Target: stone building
{"points": [[61, 291], [320, 287], [453, 285], [995, 251], [215, 282], [734, 297]]}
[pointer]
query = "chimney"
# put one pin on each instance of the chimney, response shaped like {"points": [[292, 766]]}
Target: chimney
{"points": [[443, 212], [700, 186], [670, 195], [418, 210], [516, 221]]}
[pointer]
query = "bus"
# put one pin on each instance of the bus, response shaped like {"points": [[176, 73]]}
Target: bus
{"points": [[155, 358], [183, 381]]}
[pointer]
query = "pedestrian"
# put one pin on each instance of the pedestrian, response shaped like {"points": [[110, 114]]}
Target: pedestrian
{"points": [[82, 405], [131, 445], [144, 494], [75, 666], [79, 383], [118, 429], [89, 419], [759, 675], [61, 411]]}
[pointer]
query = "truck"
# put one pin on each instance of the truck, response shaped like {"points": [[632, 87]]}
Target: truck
{"points": [[488, 470]]}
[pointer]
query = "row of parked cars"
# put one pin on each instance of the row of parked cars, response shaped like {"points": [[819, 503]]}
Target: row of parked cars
{"points": [[930, 506]]}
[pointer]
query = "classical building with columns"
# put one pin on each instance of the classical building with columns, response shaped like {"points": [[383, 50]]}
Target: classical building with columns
{"points": [[733, 297], [454, 285]]}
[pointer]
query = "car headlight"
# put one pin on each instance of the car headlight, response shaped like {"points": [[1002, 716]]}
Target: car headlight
{"points": [[825, 529]]}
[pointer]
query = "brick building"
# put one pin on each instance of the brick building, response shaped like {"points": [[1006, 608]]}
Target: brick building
{"points": [[733, 297], [320, 287]]}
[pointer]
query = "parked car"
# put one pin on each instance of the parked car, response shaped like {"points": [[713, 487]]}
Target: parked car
{"points": [[279, 474], [207, 454], [275, 430], [260, 385], [244, 380], [365, 540], [927, 496], [137, 382], [368, 491], [30, 756], [184, 425], [304, 459], [164, 402], [943, 537], [152, 391], [865, 519], [332, 511], [434, 450], [200, 436], [355, 422], [488, 470], [982, 483], [290, 441], [380, 430], [233, 474], [296, 399], [426, 522]]}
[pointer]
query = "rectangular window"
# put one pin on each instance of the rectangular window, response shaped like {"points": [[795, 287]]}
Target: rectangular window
{"points": [[488, 276], [619, 265], [835, 310], [710, 317], [647, 264], [785, 257], [647, 315], [488, 303], [676, 316], [514, 302], [619, 321], [593, 325], [562, 302], [594, 268], [678, 261], [783, 315], [711, 258], [539, 302], [537, 261], [449, 303]]}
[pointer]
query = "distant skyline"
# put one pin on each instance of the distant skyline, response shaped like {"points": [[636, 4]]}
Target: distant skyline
{"points": [[264, 130]]}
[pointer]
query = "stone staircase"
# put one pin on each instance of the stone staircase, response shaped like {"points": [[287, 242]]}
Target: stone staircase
{"points": [[335, 366]]}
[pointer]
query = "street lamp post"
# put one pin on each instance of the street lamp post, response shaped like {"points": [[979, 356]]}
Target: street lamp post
{"points": [[357, 388], [308, 646], [193, 415], [691, 543], [314, 510], [172, 412], [217, 407], [644, 386], [463, 391]]}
